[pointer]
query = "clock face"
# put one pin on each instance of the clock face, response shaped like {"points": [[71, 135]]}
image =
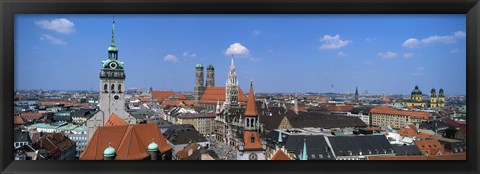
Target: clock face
{"points": [[116, 97], [252, 156], [113, 65]]}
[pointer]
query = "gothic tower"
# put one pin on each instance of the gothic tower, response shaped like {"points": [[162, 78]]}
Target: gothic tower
{"points": [[441, 98], [199, 87], [356, 94], [231, 88], [210, 76], [112, 90], [433, 98]]}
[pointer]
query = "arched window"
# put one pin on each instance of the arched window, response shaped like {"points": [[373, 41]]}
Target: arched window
{"points": [[252, 123], [120, 88], [113, 88], [105, 88]]}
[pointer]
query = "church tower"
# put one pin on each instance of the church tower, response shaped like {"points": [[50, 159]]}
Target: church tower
{"points": [[441, 98], [210, 76], [199, 87], [112, 90], [356, 94], [231, 88], [433, 98], [252, 147]]}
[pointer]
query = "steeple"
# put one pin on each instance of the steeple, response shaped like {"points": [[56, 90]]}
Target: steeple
{"points": [[251, 109], [231, 87], [112, 50], [356, 94]]}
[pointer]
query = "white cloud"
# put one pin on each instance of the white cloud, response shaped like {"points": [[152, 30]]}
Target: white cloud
{"points": [[341, 54], [191, 55], [52, 39], [407, 55], [411, 43], [61, 25], [446, 39], [256, 32], [237, 49], [171, 58], [387, 55], [333, 42]]}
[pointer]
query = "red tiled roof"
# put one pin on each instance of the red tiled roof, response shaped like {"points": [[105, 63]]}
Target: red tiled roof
{"points": [[409, 132], [144, 99], [161, 95], [19, 120], [430, 146], [280, 155], [114, 120], [451, 122], [256, 145], [251, 109], [184, 152], [339, 108], [218, 94], [391, 111], [32, 115], [188, 102], [129, 141]]}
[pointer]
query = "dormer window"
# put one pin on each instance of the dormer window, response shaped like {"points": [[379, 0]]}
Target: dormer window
{"points": [[252, 139]]}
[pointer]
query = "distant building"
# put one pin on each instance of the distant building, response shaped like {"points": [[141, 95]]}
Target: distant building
{"points": [[203, 123], [416, 99], [387, 116], [50, 146]]}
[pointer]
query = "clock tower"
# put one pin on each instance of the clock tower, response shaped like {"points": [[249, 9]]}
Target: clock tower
{"points": [[112, 90]]}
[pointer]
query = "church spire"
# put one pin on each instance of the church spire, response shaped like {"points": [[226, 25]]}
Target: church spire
{"points": [[251, 109], [112, 50], [113, 31]]}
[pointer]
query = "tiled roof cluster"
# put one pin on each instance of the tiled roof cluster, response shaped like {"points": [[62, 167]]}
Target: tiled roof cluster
{"points": [[214, 94], [129, 141]]}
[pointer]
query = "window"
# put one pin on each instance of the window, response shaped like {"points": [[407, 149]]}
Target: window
{"points": [[119, 87], [113, 88], [105, 88]]}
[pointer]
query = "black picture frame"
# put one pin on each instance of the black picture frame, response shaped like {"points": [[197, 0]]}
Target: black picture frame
{"points": [[8, 8]]}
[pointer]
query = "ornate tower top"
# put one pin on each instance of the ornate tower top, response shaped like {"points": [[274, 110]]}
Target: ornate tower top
{"points": [[112, 50]]}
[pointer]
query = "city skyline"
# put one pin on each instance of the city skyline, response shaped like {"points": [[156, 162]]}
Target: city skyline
{"points": [[161, 51]]}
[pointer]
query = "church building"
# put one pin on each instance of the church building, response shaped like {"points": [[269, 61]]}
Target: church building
{"points": [[416, 99]]}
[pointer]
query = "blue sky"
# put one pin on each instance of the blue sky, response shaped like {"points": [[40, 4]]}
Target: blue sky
{"points": [[280, 53]]}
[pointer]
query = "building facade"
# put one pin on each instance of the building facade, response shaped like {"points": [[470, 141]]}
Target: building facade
{"points": [[386, 116]]}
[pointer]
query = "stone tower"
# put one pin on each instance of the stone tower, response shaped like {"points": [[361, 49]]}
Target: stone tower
{"points": [[441, 98], [210, 76], [112, 90], [231, 89], [199, 87], [433, 98]]}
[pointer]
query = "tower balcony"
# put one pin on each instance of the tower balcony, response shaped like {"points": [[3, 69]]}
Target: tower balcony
{"points": [[112, 74]]}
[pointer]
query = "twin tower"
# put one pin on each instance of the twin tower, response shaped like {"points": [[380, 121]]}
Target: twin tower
{"points": [[199, 87]]}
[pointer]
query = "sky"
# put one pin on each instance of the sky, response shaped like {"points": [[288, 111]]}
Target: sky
{"points": [[280, 53]]}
